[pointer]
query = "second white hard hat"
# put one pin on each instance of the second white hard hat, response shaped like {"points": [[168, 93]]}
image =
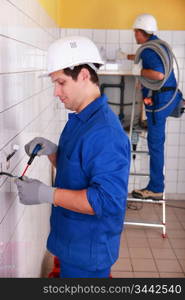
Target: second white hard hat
{"points": [[72, 51], [146, 22]]}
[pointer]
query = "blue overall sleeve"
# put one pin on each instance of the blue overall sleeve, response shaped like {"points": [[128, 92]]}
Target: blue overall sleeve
{"points": [[107, 163]]}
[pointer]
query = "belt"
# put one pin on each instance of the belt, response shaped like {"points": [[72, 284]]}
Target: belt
{"points": [[166, 89]]}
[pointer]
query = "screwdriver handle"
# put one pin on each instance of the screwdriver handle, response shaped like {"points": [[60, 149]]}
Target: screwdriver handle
{"points": [[34, 153]]}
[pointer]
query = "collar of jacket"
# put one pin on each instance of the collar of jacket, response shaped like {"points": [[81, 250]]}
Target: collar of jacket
{"points": [[90, 109]]}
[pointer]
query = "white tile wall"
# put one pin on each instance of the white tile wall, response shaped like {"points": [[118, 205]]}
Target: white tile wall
{"points": [[108, 41], [27, 109]]}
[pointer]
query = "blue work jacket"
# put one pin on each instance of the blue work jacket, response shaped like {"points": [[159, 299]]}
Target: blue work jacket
{"points": [[151, 60], [93, 154]]}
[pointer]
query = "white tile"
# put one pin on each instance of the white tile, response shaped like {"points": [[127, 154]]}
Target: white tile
{"points": [[172, 151], [181, 163], [172, 139], [171, 187], [99, 35], [171, 175], [62, 32], [111, 51], [86, 32], [166, 35], [112, 36], [178, 37], [178, 51], [180, 188], [171, 163], [181, 175], [126, 36], [72, 31]]}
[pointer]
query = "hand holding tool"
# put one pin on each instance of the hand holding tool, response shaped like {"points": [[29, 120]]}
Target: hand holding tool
{"points": [[47, 148], [32, 191]]}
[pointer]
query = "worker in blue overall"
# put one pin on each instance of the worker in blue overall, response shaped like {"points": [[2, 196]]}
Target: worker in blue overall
{"points": [[92, 161], [145, 27]]}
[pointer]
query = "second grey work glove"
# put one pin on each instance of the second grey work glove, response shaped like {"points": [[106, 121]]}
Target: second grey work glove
{"points": [[48, 147], [32, 191]]}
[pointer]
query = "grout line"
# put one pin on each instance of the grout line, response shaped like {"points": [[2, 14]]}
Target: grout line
{"points": [[24, 100], [25, 14]]}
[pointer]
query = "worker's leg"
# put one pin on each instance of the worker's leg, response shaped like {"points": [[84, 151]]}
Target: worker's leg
{"points": [[156, 139], [68, 271]]}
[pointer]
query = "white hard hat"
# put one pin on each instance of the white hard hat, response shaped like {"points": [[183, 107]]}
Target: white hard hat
{"points": [[72, 51], [146, 22]]}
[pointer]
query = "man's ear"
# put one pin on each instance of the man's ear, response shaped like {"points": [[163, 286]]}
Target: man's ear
{"points": [[84, 74]]}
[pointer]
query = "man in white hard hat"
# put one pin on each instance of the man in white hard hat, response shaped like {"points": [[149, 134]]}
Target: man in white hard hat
{"points": [[92, 162], [152, 68]]}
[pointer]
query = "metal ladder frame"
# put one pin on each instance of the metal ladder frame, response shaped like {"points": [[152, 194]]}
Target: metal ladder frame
{"points": [[163, 201]]}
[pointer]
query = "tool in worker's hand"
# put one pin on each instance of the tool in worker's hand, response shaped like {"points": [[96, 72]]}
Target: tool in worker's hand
{"points": [[32, 156]]}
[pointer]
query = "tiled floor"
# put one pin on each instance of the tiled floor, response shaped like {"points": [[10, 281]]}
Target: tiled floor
{"points": [[144, 253]]}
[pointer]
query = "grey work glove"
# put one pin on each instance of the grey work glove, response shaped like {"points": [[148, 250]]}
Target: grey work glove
{"points": [[48, 147], [33, 191]]}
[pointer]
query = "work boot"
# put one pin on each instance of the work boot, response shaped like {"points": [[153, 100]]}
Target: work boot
{"points": [[146, 194]]}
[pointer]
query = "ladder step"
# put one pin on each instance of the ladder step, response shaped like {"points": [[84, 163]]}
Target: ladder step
{"points": [[140, 152], [145, 200], [140, 174]]}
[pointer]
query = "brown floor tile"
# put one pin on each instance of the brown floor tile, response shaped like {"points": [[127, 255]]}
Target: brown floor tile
{"points": [[171, 275], [176, 233], [140, 252], [180, 253], [137, 242], [122, 274], [122, 264], [177, 243], [160, 243], [182, 263], [135, 232], [154, 232], [146, 275], [123, 252], [163, 253], [168, 265], [183, 224], [173, 225], [142, 264]]}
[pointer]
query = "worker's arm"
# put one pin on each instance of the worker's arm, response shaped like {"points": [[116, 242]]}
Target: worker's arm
{"points": [[32, 191], [73, 200], [151, 74], [131, 56]]}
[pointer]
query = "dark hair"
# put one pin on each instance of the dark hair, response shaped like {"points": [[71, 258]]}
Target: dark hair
{"points": [[146, 34], [75, 72]]}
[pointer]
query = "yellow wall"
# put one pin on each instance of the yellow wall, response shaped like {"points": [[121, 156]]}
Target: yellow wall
{"points": [[115, 14]]}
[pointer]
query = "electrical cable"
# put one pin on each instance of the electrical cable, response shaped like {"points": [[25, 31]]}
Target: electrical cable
{"points": [[8, 174], [173, 206], [164, 51]]}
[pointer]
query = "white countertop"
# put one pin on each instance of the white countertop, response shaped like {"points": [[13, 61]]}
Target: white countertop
{"points": [[116, 72], [114, 68]]}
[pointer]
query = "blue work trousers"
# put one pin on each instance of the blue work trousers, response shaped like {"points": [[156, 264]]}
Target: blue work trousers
{"points": [[68, 271], [156, 140]]}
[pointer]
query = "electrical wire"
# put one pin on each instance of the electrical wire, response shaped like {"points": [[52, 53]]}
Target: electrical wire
{"points": [[8, 174], [164, 51], [174, 206]]}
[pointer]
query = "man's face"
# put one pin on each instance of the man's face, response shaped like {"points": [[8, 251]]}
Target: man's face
{"points": [[68, 90], [139, 36]]}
